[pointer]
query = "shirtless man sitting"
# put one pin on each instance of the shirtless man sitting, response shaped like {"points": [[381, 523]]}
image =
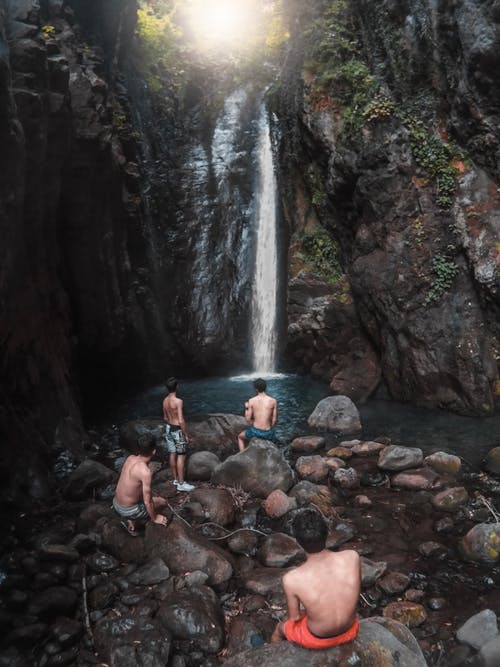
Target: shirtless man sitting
{"points": [[133, 499], [262, 411], [327, 586]]}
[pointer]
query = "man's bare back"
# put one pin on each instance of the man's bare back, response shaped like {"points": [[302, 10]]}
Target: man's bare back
{"points": [[129, 489], [327, 585], [172, 410], [262, 411]]}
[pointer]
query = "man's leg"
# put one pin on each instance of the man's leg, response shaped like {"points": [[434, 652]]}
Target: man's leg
{"points": [[173, 466], [278, 634], [241, 441], [181, 459]]}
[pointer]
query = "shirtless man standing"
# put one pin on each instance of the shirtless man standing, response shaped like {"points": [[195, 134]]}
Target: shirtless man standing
{"points": [[327, 586], [176, 435], [262, 411], [133, 499]]}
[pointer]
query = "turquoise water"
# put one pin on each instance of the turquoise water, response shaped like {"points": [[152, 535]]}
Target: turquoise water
{"points": [[431, 430]]}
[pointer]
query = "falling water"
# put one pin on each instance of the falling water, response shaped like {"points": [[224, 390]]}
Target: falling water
{"points": [[264, 337]]}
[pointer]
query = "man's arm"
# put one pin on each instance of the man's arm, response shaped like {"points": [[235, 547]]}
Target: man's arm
{"points": [[274, 416], [248, 411], [165, 418], [148, 497], [180, 416], [292, 601]]}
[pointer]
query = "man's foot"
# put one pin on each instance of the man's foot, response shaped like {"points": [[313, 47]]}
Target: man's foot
{"points": [[175, 482], [130, 528], [184, 487]]}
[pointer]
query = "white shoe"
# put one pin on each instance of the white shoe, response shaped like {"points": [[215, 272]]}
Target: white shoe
{"points": [[185, 487], [175, 482]]}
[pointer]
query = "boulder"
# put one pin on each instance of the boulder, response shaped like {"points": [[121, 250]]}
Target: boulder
{"points": [[195, 615], [183, 550], [308, 443], [277, 504], [306, 492], [258, 470], [87, 478], [491, 462], [52, 602], [201, 465], [416, 480], [312, 468], [153, 572], [244, 542], [478, 629], [264, 580], [380, 642], [368, 448], [444, 463], [337, 414], [482, 543], [397, 458], [411, 614], [450, 500], [218, 505], [243, 634], [129, 641], [280, 550], [346, 478]]}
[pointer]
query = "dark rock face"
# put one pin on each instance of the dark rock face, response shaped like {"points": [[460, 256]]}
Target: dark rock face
{"points": [[435, 339]]}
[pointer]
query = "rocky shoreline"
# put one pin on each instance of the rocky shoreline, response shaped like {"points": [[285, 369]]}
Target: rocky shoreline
{"points": [[206, 590]]}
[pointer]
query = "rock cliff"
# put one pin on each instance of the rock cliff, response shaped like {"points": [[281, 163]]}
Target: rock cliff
{"points": [[389, 111]]}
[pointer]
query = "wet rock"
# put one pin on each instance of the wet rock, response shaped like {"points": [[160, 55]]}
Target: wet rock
{"points": [[334, 463], [479, 629], [259, 470], [280, 550], [89, 477], [117, 542], [491, 462], [346, 478], [414, 595], [415, 480], [306, 492], [444, 463], [337, 414], [195, 615], [395, 458], [183, 550], [436, 604], [103, 596], [374, 478], [342, 533], [482, 543], [307, 443], [371, 571], [410, 614], [83, 543], [489, 653], [384, 646], [394, 582], [64, 657], [201, 465], [27, 635], [102, 562], [243, 635], [362, 501], [66, 631], [444, 525], [218, 505], [244, 542], [312, 468], [153, 572], [52, 602], [264, 580], [91, 514], [432, 549], [58, 552], [343, 453], [277, 504], [131, 641], [368, 448], [11, 658], [450, 500]]}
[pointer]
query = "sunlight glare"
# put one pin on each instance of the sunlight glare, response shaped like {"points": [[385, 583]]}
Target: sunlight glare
{"points": [[224, 22]]}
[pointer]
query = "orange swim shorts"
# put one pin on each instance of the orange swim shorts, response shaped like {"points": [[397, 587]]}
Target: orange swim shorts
{"points": [[298, 632]]}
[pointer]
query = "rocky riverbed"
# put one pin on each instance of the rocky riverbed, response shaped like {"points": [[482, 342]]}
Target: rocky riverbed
{"points": [[205, 590]]}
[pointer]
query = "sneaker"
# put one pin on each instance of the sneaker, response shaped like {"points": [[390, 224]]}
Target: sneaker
{"points": [[185, 487], [176, 482]]}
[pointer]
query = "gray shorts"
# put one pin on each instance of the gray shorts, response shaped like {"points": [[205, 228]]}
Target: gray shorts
{"points": [[137, 511], [175, 439]]}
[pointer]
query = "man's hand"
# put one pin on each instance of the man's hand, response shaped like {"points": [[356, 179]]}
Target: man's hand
{"points": [[162, 520]]}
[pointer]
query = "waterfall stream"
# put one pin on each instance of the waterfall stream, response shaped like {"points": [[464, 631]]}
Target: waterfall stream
{"points": [[264, 295]]}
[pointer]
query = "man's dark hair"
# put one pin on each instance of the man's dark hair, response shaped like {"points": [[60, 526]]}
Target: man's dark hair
{"points": [[260, 384], [146, 443], [310, 530], [172, 384]]}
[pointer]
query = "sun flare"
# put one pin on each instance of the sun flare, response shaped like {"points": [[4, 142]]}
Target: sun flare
{"points": [[224, 22]]}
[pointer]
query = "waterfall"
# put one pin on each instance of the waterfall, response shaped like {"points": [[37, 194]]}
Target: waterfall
{"points": [[264, 295]]}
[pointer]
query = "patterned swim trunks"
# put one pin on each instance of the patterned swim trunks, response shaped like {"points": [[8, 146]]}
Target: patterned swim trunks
{"points": [[175, 439]]}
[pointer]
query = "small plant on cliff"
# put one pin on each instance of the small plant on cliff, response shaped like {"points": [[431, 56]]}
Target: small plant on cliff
{"points": [[437, 159], [48, 31], [380, 107], [320, 251], [318, 198], [444, 270]]}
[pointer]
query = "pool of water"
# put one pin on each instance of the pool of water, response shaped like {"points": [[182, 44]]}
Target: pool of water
{"points": [[431, 430]]}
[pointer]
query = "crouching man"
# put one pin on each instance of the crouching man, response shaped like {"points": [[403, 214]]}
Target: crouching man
{"points": [[326, 586], [133, 500]]}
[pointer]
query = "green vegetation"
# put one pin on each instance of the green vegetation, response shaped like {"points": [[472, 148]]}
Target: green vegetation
{"points": [[319, 250], [435, 157], [48, 31], [444, 270]]}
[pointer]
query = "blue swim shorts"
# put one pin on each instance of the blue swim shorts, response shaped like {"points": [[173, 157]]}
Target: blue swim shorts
{"points": [[253, 432]]}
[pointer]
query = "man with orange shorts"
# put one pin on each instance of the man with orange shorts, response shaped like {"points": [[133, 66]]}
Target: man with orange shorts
{"points": [[326, 586]]}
